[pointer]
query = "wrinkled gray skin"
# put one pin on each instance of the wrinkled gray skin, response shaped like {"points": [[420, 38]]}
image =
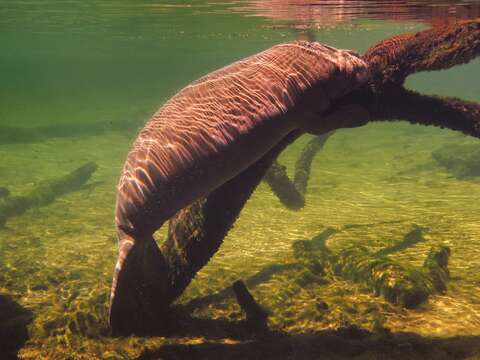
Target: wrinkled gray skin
{"points": [[209, 133]]}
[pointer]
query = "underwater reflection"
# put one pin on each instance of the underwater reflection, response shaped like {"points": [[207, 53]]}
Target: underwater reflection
{"points": [[320, 13]]}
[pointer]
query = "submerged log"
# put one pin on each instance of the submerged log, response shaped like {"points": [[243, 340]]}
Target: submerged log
{"points": [[304, 161], [45, 192], [256, 315], [281, 185], [436, 267], [399, 104], [292, 193], [392, 60], [316, 263]]}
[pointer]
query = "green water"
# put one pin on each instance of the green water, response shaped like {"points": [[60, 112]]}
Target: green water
{"points": [[78, 79]]}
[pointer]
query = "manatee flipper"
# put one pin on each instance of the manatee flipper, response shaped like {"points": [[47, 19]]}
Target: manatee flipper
{"points": [[346, 116], [137, 302]]}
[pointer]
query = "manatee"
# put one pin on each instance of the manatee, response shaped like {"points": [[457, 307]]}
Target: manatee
{"points": [[206, 135]]}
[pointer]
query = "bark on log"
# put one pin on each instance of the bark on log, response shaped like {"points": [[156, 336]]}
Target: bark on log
{"points": [[393, 60]]}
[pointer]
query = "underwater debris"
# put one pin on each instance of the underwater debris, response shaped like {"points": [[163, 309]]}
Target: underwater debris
{"points": [[256, 315], [393, 60], [399, 284], [462, 161], [436, 266], [292, 193], [45, 192], [304, 161], [280, 184]]}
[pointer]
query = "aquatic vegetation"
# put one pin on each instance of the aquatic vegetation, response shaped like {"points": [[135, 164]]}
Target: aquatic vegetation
{"points": [[399, 284]]}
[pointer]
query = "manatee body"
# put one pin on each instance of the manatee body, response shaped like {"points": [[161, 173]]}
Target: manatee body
{"points": [[207, 134]]}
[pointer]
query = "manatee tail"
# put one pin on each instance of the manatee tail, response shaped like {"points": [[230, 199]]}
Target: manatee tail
{"points": [[137, 301]]}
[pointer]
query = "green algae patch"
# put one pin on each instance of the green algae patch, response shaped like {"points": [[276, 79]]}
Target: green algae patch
{"points": [[398, 284]]}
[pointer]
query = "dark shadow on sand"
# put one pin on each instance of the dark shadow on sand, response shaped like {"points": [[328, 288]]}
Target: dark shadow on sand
{"points": [[19, 135], [259, 278], [14, 320], [344, 343]]}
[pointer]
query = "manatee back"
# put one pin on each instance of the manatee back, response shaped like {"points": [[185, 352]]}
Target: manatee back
{"points": [[219, 107], [224, 106]]}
